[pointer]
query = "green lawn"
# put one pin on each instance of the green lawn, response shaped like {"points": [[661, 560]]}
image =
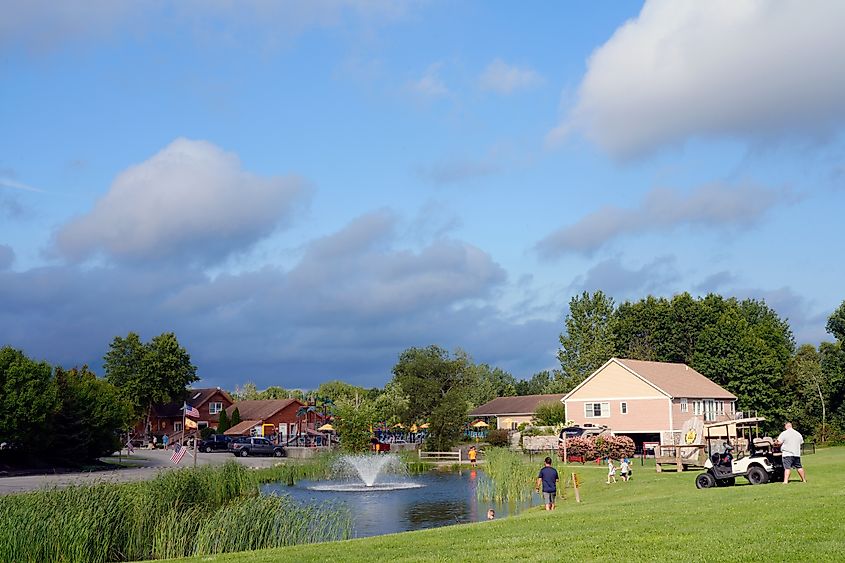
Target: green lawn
{"points": [[654, 517]]}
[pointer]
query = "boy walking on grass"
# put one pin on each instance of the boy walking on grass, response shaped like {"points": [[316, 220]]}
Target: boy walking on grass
{"points": [[547, 479]]}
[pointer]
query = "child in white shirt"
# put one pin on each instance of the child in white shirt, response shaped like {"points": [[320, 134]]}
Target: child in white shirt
{"points": [[623, 468], [611, 471]]}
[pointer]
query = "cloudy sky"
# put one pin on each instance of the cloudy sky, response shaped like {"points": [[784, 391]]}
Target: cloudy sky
{"points": [[302, 190]]}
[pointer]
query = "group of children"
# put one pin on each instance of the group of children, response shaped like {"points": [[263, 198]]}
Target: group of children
{"points": [[624, 470]]}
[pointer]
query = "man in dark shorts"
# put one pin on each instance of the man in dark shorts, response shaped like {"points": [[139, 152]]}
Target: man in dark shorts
{"points": [[547, 479], [790, 441]]}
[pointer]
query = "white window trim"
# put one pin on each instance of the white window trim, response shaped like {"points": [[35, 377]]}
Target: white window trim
{"points": [[177, 426], [604, 408], [215, 407], [684, 405]]}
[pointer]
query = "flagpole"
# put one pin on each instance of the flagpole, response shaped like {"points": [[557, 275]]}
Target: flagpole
{"points": [[184, 414]]}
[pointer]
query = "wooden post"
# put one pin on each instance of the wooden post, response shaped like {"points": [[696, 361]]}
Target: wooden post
{"points": [[678, 463], [575, 487]]}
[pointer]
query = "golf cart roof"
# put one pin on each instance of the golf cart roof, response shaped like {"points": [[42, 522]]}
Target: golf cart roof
{"points": [[749, 421]]}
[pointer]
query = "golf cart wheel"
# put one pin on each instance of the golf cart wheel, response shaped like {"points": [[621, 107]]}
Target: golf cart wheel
{"points": [[244, 452], [726, 482], [757, 475], [705, 481]]}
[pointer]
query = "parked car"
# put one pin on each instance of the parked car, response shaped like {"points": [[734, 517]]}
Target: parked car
{"points": [[245, 446], [215, 442]]}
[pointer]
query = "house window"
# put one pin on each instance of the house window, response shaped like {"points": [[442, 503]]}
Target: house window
{"points": [[684, 405], [202, 424], [177, 426], [215, 408], [596, 410], [514, 425], [720, 407], [696, 408], [623, 407]]}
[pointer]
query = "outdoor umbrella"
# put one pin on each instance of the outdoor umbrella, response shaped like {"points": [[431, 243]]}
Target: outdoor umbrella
{"points": [[414, 428], [326, 428], [480, 424], [424, 426]]}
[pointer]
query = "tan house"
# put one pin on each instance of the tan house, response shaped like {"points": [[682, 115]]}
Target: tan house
{"points": [[648, 401], [510, 412]]}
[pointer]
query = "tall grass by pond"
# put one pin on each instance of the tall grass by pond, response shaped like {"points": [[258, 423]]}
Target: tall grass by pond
{"points": [[185, 512], [508, 478]]}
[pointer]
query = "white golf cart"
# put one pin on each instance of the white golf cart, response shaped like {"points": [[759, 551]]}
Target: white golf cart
{"points": [[735, 449]]}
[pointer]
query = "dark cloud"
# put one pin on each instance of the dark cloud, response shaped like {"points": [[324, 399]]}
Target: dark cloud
{"points": [[712, 206], [619, 281], [7, 257], [713, 282], [191, 202], [346, 310]]}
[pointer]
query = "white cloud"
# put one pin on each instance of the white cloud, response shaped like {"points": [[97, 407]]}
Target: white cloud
{"points": [[665, 209], [429, 85], [503, 78], [191, 201], [754, 70]]}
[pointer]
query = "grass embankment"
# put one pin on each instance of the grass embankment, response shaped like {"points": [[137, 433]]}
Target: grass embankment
{"points": [[658, 517], [185, 512]]}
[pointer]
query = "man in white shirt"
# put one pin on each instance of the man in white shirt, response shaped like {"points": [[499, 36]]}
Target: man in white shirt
{"points": [[790, 447]]}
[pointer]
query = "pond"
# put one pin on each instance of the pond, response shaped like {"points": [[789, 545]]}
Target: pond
{"points": [[441, 499]]}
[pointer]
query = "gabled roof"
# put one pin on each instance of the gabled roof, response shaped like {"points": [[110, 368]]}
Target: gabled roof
{"points": [[260, 409], [194, 397], [523, 405], [243, 427], [674, 380]]}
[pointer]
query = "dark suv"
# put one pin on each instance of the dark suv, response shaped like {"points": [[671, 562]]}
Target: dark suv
{"points": [[215, 442], [246, 446]]}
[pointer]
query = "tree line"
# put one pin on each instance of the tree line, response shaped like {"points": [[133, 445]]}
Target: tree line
{"points": [[742, 345]]}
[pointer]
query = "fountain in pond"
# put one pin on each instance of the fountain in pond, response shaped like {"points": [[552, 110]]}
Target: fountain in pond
{"points": [[367, 472]]}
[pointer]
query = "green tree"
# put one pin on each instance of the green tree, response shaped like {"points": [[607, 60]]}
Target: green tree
{"points": [[588, 341], [551, 413], [354, 417], [436, 386], [836, 323], [223, 423], [29, 399], [336, 390], [539, 384], [236, 418], [91, 418], [806, 390], [148, 373], [391, 405], [249, 392], [490, 383]]}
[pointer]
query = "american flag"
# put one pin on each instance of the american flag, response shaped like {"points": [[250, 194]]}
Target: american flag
{"points": [[178, 453], [191, 411]]}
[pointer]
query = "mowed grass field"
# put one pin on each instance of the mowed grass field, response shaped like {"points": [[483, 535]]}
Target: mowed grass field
{"points": [[660, 517]]}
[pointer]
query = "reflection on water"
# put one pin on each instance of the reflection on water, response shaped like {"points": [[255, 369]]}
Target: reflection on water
{"points": [[442, 499]]}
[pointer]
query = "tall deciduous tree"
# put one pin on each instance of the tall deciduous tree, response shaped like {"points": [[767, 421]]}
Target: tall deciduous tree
{"points": [[540, 383], [147, 373], [28, 399], [92, 415], [354, 418], [490, 383], [436, 386], [588, 341]]}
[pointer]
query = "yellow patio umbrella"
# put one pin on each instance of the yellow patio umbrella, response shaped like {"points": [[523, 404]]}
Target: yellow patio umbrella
{"points": [[326, 428], [398, 425], [424, 425], [413, 428], [480, 424]]}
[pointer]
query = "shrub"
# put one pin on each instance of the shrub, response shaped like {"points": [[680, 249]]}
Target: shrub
{"points": [[592, 447], [580, 447], [498, 437]]}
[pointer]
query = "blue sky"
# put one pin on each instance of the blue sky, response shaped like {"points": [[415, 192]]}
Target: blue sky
{"points": [[302, 190]]}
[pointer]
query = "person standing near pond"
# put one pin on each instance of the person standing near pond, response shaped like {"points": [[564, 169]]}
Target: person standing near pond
{"points": [[473, 456], [547, 479], [790, 441]]}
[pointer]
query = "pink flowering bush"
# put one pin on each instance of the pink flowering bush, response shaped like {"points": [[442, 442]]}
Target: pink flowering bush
{"points": [[593, 447]]}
